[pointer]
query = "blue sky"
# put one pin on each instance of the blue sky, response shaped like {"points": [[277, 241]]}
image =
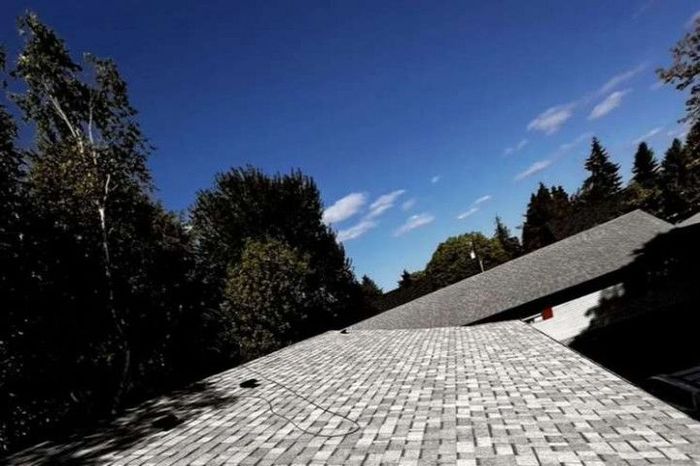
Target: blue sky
{"points": [[417, 120]]}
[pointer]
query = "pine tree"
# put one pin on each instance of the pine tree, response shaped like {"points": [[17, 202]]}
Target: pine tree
{"points": [[511, 244], [604, 181], [406, 279], [369, 288], [677, 183], [643, 191], [645, 167], [546, 218]]}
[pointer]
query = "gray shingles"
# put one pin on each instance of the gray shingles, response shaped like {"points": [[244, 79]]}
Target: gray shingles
{"points": [[572, 261], [490, 394]]}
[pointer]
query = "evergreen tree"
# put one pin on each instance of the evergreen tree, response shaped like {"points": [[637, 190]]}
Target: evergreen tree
{"points": [[511, 244], [604, 182], [643, 191], [645, 167], [369, 288], [406, 279], [546, 218], [678, 183]]}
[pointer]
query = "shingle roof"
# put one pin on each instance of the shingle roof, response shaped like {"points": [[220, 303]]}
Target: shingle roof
{"points": [[499, 393], [690, 220], [572, 261]]}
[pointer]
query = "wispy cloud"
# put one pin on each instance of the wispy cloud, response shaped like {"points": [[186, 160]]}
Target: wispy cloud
{"points": [[609, 104], [648, 135], [356, 231], [344, 208], [384, 203], [483, 199], [435, 179], [532, 169], [621, 78], [563, 149], [657, 85], [475, 206], [520, 145], [551, 119], [408, 205], [642, 9], [567, 146], [470, 211], [692, 20], [413, 222]]}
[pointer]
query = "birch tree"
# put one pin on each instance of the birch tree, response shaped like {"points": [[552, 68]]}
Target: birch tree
{"points": [[89, 159]]}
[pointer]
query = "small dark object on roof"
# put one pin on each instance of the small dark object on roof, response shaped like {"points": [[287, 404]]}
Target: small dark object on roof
{"points": [[166, 422], [250, 383]]}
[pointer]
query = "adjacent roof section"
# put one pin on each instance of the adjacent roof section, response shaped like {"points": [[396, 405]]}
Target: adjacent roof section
{"points": [[690, 220], [570, 262], [499, 393]]}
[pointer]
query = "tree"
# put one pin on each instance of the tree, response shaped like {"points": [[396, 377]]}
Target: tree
{"points": [[604, 182], [643, 191], [90, 161], [270, 297], [369, 288], [459, 257], [510, 244], [246, 204], [680, 185], [106, 270], [645, 167], [684, 72], [406, 279], [546, 218]]}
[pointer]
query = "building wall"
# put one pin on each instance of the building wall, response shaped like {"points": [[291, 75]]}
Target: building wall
{"points": [[571, 318]]}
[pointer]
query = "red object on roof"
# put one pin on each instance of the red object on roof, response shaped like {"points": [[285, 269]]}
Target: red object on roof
{"points": [[548, 313]]}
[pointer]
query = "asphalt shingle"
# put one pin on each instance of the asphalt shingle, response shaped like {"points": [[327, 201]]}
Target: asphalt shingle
{"points": [[499, 393], [575, 260]]}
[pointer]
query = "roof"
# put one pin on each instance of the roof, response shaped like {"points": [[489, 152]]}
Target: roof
{"points": [[499, 393], [586, 256], [690, 220]]}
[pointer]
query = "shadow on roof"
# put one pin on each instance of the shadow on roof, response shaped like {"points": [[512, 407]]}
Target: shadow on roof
{"points": [[153, 418]]}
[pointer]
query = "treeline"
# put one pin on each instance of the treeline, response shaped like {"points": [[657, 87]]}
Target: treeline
{"points": [[669, 189], [106, 296]]}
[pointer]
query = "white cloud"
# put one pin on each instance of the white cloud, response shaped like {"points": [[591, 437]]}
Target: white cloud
{"points": [[609, 104], [384, 203], [551, 119], [413, 222], [692, 20], [408, 205], [516, 148], [483, 199], [469, 212], [435, 179], [567, 146], [618, 79], [657, 85], [356, 231], [648, 135], [344, 208], [532, 169]]}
